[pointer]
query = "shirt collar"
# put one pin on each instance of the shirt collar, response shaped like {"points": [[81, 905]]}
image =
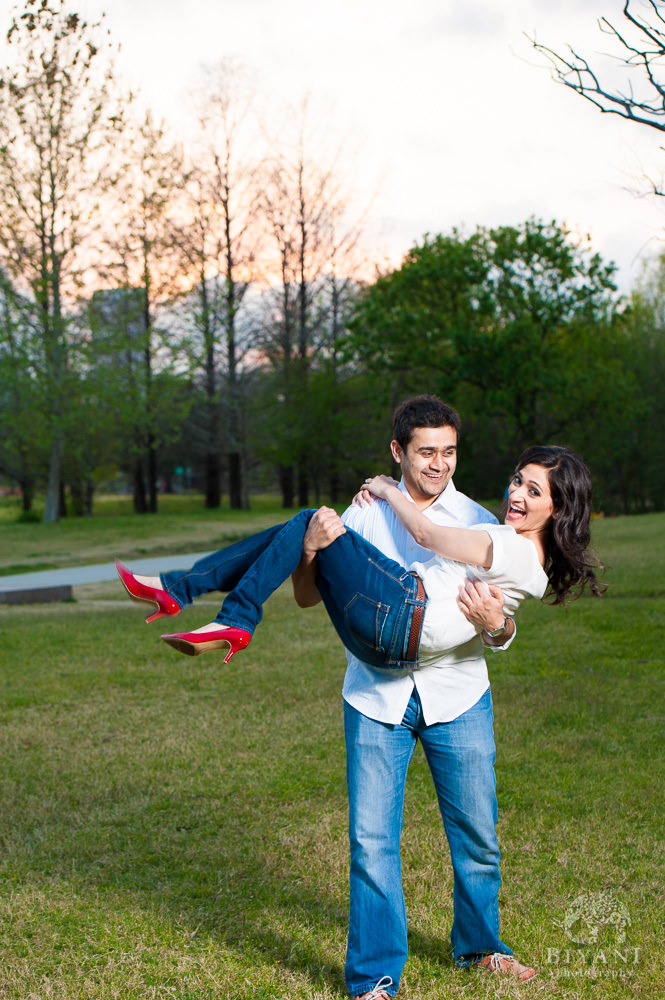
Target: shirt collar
{"points": [[446, 501]]}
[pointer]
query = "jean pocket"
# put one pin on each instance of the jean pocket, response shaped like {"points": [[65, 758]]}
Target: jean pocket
{"points": [[365, 620]]}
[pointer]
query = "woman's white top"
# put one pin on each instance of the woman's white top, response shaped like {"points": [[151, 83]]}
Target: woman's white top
{"points": [[457, 679], [515, 568]]}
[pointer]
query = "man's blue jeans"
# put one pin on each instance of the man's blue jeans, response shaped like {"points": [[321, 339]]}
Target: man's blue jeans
{"points": [[369, 597], [461, 757]]}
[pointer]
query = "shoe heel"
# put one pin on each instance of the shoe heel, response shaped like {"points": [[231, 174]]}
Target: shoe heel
{"points": [[157, 614]]}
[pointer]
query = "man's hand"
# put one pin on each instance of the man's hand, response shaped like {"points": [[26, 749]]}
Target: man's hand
{"points": [[482, 604], [324, 527]]}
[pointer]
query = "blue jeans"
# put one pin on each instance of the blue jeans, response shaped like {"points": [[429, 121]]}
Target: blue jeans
{"points": [[461, 757], [370, 598]]}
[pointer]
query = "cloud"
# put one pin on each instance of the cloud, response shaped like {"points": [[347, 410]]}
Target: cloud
{"points": [[469, 19]]}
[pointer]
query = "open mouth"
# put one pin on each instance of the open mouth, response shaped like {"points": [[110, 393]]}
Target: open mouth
{"points": [[514, 512]]}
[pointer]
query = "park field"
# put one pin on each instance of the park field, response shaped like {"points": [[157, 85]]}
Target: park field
{"points": [[175, 829]]}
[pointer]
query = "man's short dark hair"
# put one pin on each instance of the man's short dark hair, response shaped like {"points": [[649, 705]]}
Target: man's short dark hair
{"points": [[422, 411]]}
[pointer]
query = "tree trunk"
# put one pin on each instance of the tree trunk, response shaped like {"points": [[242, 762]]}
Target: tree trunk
{"points": [[303, 488], [27, 487], [77, 493], [213, 493], [89, 496], [52, 508], [63, 500], [286, 485], [235, 480], [140, 503], [152, 475]]}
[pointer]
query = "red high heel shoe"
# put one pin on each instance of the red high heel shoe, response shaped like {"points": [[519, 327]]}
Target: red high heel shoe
{"points": [[194, 643], [166, 605]]}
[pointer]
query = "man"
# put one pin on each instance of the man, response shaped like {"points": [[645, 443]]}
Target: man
{"points": [[447, 706]]}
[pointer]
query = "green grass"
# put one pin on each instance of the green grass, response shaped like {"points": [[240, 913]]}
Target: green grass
{"points": [[176, 828], [182, 525]]}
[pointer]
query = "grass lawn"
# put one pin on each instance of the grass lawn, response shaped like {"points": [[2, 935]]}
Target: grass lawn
{"points": [[175, 828], [182, 525]]}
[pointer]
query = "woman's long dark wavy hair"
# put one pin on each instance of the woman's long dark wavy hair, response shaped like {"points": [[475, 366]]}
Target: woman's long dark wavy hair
{"points": [[569, 564]]}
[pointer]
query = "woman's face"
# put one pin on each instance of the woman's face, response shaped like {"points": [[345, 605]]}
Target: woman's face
{"points": [[530, 506]]}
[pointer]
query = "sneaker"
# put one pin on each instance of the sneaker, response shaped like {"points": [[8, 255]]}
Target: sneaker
{"points": [[505, 965], [379, 992]]}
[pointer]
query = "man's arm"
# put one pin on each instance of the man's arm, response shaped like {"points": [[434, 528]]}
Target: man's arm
{"points": [[325, 526]]}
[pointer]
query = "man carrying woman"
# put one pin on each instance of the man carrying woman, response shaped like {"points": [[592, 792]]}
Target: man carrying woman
{"points": [[413, 617]]}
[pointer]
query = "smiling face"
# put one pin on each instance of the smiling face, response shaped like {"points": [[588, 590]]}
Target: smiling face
{"points": [[427, 462], [530, 507]]}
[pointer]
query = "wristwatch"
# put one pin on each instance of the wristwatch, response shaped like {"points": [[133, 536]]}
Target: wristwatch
{"points": [[493, 633]]}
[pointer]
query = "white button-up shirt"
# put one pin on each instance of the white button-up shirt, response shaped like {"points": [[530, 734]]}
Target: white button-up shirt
{"points": [[460, 678]]}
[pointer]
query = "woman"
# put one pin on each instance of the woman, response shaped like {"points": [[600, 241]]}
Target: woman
{"points": [[375, 604]]}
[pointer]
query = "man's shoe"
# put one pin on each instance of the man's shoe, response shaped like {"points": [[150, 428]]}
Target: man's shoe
{"points": [[505, 965], [379, 992]]}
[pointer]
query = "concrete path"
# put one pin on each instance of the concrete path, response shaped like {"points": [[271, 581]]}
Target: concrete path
{"points": [[99, 573]]}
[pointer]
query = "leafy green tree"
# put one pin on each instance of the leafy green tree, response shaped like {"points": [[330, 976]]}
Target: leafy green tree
{"points": [[58, 114], [626, 443], [407, 323], [114, 365], [545, 296], [506, 324]]}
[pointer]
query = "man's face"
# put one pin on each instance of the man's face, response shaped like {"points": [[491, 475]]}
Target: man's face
{"points": [[428, 462]]}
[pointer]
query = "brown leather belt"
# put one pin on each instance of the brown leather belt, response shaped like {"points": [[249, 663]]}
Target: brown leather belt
{"points": [[416, 624]]}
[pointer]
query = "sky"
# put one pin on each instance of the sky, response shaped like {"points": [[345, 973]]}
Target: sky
{"points": [[454, 120]]}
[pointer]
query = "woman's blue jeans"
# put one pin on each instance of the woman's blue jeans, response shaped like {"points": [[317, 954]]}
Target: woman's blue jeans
{"points": [[461, 757], [370, 598]]}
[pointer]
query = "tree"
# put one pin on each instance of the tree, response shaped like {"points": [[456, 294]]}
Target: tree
{"points": [[627, 446], [545, 294], [114, 363], [406, 323], [23, 419], [508, 324], [58, 114], [642, 48], [306, 209], [147, 271], [220, 243]]}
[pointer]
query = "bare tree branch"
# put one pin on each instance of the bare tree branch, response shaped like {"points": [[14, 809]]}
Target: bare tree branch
{"points": [[645, 54]]}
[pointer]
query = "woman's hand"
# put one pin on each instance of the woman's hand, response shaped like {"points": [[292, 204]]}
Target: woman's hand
{"points": [[373, 488], [363, 497], [379, 486]]}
